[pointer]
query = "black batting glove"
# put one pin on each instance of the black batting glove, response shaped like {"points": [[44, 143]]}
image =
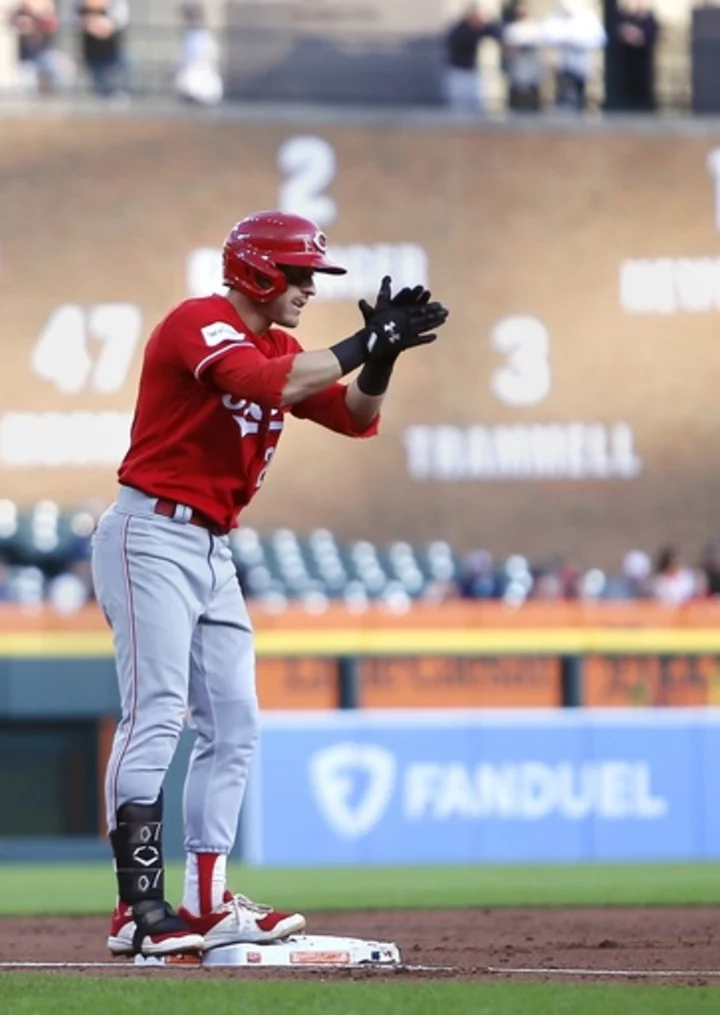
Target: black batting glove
{"points": [[391, 332], [407, 297], [374, 378], [400, 322]]}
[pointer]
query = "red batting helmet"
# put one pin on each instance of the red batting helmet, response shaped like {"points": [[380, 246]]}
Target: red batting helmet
{"points": [[258, 246]]}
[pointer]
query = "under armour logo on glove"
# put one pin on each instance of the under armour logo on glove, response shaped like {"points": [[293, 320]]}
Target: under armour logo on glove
{"points": [[391, 334]]}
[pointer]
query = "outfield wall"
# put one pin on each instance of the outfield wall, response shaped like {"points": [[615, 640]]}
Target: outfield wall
{"points": [[570, 406], [395, 786], [59, 706]]}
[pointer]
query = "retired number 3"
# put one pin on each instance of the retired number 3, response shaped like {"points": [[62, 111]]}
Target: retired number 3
{"points": [[525, 378]]}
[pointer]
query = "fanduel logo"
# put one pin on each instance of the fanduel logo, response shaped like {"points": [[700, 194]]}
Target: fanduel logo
{"points": [[353, 784]]}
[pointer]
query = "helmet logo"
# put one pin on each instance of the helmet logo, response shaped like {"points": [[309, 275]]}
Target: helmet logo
{"points": [[319, 241]]}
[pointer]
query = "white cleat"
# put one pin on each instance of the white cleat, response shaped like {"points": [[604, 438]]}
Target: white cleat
{"points": [[239, 921]]}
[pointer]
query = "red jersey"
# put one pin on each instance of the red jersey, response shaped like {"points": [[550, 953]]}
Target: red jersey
{"points": [[209, 410]]}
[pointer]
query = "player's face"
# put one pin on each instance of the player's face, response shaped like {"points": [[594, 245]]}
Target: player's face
{"points": [[287, 308]]}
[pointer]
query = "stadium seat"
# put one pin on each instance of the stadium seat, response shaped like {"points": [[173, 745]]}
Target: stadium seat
{"points": [[37, 540], [259, 581], [247, 548], [28, 585], [287, 563], [355, 597], [402, 565], [325, 562], [438, 560], [365, 566]]}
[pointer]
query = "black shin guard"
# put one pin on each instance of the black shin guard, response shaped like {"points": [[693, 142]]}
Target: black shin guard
{"points": [[137, 846]]}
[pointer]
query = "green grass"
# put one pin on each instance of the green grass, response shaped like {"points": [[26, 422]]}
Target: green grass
{"points": [[82, 889], [71, 995]]}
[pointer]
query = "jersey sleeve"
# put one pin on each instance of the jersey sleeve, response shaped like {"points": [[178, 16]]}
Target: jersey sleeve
{"points": [[218, 353], [251, 375], [329, 409]]}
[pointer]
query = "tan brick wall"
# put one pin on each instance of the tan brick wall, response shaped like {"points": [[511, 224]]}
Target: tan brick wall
{"points": [[513, 223]]}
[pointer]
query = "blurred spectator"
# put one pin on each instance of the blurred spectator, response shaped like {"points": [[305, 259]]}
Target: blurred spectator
{"points": [[82, 526], [102, 39], [632, 582], [591, 585], [522, 65], [476, 577], [69, 591], [515, 580], [574, 33], [36, 24], [547, 585], [710, 565], [637, 32], [554, 579], [673, 582], [198, 77], [570, 577], [463, 81]]}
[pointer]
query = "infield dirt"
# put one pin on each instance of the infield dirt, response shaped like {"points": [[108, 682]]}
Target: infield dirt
{"points": [[461, 944]]}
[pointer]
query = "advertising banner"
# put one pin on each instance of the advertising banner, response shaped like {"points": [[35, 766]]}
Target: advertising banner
{"points": [[457, 681], [441, 681], [651, 680], [467, 787]]}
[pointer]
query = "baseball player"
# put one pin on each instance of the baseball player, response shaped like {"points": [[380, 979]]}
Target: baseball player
{"points": [[218, 378]]}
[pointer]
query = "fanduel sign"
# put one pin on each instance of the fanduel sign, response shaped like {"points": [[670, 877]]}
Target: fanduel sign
{"points": [[475, 787]]}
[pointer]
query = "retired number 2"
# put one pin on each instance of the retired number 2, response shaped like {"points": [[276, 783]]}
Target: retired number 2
{"points": [[309, 167]]}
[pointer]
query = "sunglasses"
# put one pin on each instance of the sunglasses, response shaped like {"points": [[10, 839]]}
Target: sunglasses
{"points": [[297, 276]]}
